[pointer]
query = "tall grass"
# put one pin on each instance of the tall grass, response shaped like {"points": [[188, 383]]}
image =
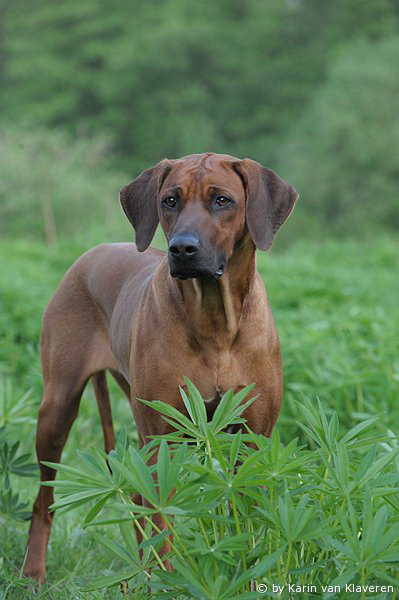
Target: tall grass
{"points": [[335, 305]]}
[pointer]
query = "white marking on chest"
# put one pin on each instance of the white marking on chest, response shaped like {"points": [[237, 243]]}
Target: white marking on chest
{"points": [[215, 398]]}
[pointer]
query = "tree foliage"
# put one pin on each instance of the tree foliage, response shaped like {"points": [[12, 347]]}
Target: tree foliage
{"points": [[171, 78], [344, 155], [51, 184]]}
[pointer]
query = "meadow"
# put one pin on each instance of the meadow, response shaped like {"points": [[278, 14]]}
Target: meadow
{"points": [[92, 93], [335, 303]]}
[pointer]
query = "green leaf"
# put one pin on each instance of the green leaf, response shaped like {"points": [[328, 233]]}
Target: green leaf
{"points": [[342, 579], [97, 507], [352, 433], [114, 547], [111, 580], [172, 413], [138, 475], [258, 570], [168, 470], [197, 405]]}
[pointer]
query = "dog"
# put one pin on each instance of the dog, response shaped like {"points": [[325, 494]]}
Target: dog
{"points": [[199, 310]]}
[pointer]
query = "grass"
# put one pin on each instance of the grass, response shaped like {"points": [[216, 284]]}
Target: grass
{"points": [[335, 306]]}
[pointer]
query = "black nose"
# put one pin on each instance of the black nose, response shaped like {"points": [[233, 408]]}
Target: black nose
{"points": [[184, 245]]}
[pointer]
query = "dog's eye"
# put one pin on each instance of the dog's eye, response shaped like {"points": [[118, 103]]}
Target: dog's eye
{"points": [[222, 201], [170, 202]]}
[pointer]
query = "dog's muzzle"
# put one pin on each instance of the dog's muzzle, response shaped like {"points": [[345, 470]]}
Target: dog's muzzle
{"points": [[187, 258]]}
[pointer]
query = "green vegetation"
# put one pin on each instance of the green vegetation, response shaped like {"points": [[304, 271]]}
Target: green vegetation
{"points": [[335, 305], [91, 94], [239, 515], [52, 185], [349, 135]]}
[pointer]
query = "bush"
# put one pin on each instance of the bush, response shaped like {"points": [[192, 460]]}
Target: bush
{"points": [[54, 186]]}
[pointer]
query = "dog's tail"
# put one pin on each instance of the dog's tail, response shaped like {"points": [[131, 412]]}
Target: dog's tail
{"points": [[104, 406]]}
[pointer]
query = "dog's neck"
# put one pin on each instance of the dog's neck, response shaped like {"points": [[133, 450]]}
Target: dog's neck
{"points": [[218, 305]]}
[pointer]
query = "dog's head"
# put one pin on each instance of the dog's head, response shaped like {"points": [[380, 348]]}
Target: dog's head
{"points": [[206, 204]]}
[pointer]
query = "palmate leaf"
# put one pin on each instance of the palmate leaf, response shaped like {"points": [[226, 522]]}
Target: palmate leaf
{"points": [[346, 577], [10, 464], [383, 576], [196, 405], [344, 549], [73, 500], [388, 539], [249, 468], [116, 549], [373, 531], [95, 464], [92, 482], [279, 461], [230, 407], [108, 581], [255, 572], [11, 506], [175, 415], [189, 581], [8, 452], [129, 537], [216, 449], [233, 416], [366, 463], [23, 468], [138, 475], [155, 540], [193, 589], [119, 520], [93, 512], [234, 450], [380, 464], [362, 426], [230, 543], [14, 412], [79, 474], [227, 412], [168, 470]]}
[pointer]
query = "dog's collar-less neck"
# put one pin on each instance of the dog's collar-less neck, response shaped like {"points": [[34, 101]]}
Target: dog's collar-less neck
{"points": [[212, 303]]}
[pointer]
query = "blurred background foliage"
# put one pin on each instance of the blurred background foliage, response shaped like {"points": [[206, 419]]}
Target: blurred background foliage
{"points": [[93, 92]]}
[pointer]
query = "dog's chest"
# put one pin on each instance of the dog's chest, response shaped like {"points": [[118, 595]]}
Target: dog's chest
{"points": [[222, 371], [211, 404]]}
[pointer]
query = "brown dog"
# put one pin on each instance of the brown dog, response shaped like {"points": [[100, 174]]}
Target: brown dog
{"points": [[150, 318]]}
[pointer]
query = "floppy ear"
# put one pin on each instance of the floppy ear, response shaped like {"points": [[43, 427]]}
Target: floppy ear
{"points": [[270, 200], [139, 201]]}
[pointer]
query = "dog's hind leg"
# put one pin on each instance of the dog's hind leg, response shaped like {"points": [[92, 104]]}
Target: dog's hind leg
{"points": [[57, 412], [121, 381], [73, 348], [104, 406]]}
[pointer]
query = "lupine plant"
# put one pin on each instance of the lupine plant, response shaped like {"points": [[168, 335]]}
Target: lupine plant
{"points": [[240, 510], [13, 464]]}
